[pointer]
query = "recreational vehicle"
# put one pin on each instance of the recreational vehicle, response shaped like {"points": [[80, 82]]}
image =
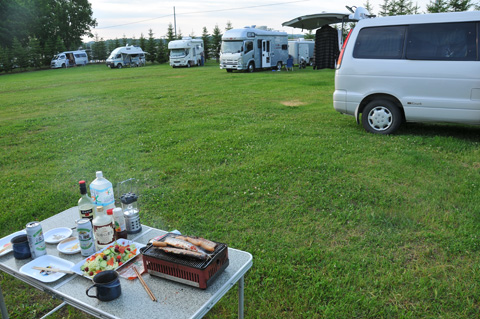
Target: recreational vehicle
{"points": [[69, 59], [126, 56], [186, 52], [250, 48], [302, 51]]}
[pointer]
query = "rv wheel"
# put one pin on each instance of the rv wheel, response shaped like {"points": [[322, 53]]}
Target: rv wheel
{"points": [[64, 65], [119, 65], [251, 67], [189, 64]]}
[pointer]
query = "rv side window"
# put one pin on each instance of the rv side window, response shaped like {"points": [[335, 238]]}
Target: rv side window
{"points": [[380, 43], [442, 41], [248, 46], [284, 46], [118, 56], [259, 44]]}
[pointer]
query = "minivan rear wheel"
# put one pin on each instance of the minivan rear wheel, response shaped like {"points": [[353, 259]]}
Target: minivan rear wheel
{"points": [[381, 117]]}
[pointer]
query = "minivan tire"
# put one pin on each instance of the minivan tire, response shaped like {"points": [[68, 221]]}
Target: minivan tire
{"points": [[381, 117]]}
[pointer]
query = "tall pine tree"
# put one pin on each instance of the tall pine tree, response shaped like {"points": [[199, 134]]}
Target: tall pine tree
{"points": [[206, 43]]}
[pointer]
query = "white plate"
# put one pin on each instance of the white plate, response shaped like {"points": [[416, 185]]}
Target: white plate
{"points": [[123, 242], [56, 235], [5, 242], [69, 246], [49, 262]]}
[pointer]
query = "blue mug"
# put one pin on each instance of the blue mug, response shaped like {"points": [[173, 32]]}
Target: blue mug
{"points": [[107, 284], [20, 247]]}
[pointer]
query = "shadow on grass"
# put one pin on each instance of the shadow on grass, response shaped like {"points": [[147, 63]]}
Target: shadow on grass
{"points": [[463, 132]]}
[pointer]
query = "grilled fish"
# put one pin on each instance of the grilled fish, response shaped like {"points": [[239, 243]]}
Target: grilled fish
{"points": [[199, 241], [182, 244], [186, 253]]}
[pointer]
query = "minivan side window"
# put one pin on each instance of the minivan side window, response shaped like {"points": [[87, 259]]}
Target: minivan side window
{"points": [[380, 43], [442, 41]]}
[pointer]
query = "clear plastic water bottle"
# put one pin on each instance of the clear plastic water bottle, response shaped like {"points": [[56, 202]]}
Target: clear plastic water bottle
{"points": [[101, 191]]}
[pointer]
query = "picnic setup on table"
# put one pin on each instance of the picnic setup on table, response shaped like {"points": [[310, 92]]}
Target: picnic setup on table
{"points": [[100, 259]]}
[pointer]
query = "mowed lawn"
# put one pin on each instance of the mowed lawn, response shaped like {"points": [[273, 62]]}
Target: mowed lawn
{"points": [[340, 223]]}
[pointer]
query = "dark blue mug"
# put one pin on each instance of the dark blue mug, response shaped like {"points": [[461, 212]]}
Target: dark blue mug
{"points": [[20, 246], [107, 284]]}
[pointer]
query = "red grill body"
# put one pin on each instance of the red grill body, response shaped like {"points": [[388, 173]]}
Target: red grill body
{"points": [[189, 271]]}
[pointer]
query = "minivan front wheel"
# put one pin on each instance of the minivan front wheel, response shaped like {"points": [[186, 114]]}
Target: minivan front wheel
{"points": [[381, 117]]}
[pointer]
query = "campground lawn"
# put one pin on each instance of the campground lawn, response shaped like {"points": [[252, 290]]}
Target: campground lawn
{"points": [[340, 223]]}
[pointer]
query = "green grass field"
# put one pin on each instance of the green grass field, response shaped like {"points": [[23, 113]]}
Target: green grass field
{"points": [[340, 223]]}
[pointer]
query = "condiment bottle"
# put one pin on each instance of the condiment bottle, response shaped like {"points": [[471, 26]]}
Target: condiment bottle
{"points": [[86, 207], [103, 229], [120, 226]]}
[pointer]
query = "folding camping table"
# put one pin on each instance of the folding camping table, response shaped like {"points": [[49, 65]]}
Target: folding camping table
{"points": [[175, 300]]}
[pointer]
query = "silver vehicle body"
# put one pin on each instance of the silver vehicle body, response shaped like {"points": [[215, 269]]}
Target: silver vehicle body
{"points": [[186, 52], [432, 74], [301, 49], [68, 59], [126, 56], [250, 48]]}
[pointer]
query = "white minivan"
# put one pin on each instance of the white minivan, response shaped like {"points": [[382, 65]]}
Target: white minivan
{"points": [[415, 68]]}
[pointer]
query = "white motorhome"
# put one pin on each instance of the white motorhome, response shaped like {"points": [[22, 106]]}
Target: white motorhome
{"points": [[186, 52], [302, 51], [412, 68], [69, 59], [250, 48], [126, 56]]}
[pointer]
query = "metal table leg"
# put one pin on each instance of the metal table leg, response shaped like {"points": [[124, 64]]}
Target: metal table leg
{"points": [[3, 308], [240, 297]]}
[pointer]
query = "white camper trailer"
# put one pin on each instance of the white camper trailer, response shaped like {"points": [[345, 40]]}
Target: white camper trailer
{"points": [[69, 59], [249, 49], [186, 52], [302, 51], [126, 56]]}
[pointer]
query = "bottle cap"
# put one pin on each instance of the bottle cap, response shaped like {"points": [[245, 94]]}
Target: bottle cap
{"points": [[117, 210], [110, 211], [99, 208], [99, 174], [83, 187]]}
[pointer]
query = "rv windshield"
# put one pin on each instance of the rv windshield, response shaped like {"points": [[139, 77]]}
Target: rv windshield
{"points": [[178, 53], [232, 46]]}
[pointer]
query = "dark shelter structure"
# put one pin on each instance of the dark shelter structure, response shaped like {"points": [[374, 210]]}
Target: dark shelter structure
{"points": [[326, 48]]}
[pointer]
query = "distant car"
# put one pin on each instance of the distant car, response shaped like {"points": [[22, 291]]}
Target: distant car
{"points": [[413, 68]]}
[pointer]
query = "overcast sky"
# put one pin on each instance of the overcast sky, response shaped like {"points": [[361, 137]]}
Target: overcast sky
{"points": [[131, 18]]}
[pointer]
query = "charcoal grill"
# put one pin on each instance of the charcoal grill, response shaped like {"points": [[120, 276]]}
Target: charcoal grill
{"points": [[186, 270]]}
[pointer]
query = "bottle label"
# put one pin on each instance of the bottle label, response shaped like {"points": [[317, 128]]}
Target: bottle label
{"points": [[104, 235], [120, 224], [86, 213], [102, 197]]}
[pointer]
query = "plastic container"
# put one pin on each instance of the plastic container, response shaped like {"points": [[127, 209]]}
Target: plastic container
{"points": [[101, 191]]}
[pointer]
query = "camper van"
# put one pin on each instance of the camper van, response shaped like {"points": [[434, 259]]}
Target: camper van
{"points": [[249, 49], [126, 56], [186, 52], [302, 51], [411, 68], [69, 59]]}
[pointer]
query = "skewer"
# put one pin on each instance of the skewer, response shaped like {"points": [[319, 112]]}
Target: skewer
{"points": [[144, 284]]}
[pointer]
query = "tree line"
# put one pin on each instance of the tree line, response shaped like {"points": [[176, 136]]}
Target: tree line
{"points": [[33, 31]]}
